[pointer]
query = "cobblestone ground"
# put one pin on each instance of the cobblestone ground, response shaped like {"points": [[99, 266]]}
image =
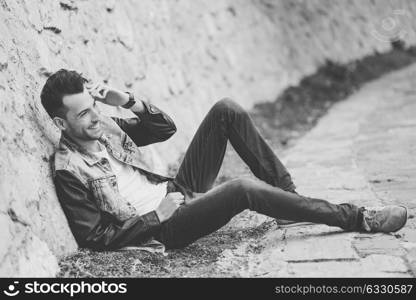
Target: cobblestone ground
{"points": [[364, 152]]}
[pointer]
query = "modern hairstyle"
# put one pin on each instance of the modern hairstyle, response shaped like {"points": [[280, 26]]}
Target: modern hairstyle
{"points": [[58, 85]]}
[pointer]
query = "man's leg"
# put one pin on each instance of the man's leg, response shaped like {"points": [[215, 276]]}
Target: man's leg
{"points": [[228, 121], [212, 210]]}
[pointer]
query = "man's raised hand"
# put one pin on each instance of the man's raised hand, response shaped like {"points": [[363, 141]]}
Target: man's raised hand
{"points": [[168, 205], [106, 94], [97, 90]]}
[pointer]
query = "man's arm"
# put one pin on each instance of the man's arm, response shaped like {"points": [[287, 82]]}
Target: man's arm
{"points": [[93, 228], [151, 125]]}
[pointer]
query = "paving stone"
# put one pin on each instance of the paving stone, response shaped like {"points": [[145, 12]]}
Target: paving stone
{"points": [[408, 234], [371, 266], [321, 248], [389, 265], [411, 256], [378, 244]]}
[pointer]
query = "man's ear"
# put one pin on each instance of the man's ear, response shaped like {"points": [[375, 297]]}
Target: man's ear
{"points": [[60, 123]]}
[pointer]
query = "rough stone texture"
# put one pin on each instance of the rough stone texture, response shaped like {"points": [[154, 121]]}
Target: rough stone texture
{"points": [[361, 152], [184, 55]]}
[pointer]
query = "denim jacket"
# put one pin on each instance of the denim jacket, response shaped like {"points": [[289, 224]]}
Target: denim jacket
{"points": [[99, 217]]}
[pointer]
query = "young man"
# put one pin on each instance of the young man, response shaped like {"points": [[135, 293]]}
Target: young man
{"points": [[112, 199]]}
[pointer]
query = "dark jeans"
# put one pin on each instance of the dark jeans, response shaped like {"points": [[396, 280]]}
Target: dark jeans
{"points": [[273, 196]]}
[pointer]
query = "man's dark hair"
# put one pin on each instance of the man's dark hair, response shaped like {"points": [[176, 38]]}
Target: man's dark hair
{"points": [[58, 85]]}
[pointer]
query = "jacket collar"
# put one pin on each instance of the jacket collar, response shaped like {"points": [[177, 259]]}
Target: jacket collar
{"points": [[89, 157]]}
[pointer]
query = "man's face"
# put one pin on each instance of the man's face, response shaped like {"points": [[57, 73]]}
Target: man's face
{"points": [[82, 118]]}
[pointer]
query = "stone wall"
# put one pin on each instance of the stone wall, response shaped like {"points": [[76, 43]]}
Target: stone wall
{"points": [[183, 55]]}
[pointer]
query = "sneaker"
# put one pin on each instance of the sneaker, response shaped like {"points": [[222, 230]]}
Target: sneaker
{"points": [[388, 219]]}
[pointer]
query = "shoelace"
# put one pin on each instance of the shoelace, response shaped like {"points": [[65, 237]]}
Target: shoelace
{"points": [[370, 221]]}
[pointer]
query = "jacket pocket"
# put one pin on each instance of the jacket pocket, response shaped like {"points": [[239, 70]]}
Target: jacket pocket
{"points": [[105, 191]]}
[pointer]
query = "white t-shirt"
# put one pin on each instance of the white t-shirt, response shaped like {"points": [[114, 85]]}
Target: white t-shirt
{"points": [[135, 187]]}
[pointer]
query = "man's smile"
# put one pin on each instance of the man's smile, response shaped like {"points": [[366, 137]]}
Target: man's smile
{"points": [[95, 126]]}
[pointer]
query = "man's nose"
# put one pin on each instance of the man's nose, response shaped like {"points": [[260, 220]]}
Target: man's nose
{"points": [[95, 113]]}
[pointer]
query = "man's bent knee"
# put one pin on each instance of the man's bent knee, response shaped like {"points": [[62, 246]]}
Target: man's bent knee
{"points": [[228, 105], [244, 184]]}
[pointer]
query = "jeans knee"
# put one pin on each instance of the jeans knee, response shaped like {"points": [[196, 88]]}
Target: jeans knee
{"points": [[245, 191], [244, 185], [228, 105]]}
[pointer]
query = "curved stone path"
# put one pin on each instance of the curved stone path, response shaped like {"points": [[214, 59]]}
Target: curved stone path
{"points": [[363, 151]]}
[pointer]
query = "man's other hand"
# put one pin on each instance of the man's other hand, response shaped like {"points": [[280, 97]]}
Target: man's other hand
{"points": [[168, 206]]}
